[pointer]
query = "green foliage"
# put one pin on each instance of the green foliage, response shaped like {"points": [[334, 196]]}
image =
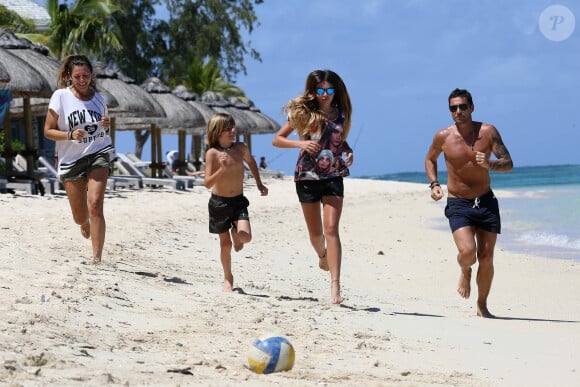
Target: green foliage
{"points": [[200, 45], [16, 145], [202, 77], [15, 23], [143, 39], [87, 27], [208, 29]]}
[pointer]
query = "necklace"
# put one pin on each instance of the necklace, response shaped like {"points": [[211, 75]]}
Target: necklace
{"points": [[224, 149]]}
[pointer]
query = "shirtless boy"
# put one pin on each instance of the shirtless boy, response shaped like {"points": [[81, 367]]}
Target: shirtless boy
{"points": [[472, 208], [224, 174]]}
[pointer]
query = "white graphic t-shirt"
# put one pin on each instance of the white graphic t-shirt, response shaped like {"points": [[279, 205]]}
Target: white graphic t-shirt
{"points": [[73, 114]]}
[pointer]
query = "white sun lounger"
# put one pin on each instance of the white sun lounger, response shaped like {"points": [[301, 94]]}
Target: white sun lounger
{"points": [[128, 167]]}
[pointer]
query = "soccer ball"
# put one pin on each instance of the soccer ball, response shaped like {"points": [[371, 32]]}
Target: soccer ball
{"points": [[270, 354]]}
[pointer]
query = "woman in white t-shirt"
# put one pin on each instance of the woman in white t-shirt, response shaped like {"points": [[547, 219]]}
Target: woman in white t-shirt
{"points": [[77, 120]]}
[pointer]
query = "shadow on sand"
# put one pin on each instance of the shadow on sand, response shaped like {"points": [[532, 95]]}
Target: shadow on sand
{"points": [[288, 298], [534, 319], [243, 292], [415, 314]]}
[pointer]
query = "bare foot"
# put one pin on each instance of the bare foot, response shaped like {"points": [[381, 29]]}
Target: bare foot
{"points": [[323, 262], [483, 312], [96, 260], [228, 285], [237, 244], [86, 230], [335, 296], [464, 286]]}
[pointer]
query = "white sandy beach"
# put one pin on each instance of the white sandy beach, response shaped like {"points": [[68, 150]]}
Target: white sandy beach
{"points": [[153, 312]]}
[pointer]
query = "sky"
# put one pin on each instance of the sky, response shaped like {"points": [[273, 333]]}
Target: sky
{"points": [[400, 59]]}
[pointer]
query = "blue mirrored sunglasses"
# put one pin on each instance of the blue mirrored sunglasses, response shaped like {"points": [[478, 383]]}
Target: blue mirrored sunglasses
{"points": [[321, 91]]}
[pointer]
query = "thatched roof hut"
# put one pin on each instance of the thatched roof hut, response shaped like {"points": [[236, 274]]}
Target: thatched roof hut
{"points": [[194, 100], [180, 115], [4, 76], [133, 103], [32, 74], [25, 80], [248, 117]]}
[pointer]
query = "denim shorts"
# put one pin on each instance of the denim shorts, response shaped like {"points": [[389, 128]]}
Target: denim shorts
{"points": [[83, 166]]}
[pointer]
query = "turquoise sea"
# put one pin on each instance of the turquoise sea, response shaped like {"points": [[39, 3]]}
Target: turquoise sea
{"points": [[541, 213]]}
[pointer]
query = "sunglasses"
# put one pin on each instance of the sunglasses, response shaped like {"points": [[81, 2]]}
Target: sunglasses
{"points": [[461, 106], [321, 91]]}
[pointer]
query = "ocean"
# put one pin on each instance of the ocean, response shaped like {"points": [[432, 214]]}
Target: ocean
{"points": [[540, 215]]}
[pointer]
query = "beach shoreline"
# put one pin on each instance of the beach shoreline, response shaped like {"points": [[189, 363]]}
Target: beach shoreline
{"points": [[153, 312]]}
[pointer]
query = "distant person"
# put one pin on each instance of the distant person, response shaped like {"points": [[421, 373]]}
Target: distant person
{"points": [[172, 158], [178, 167], [77, 119], [224, 174], [472, 208], [263, 164], [324, 106]]}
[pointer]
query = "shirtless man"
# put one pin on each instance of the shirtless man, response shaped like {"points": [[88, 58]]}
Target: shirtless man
{"points": [[224, 174], [472, 208]]}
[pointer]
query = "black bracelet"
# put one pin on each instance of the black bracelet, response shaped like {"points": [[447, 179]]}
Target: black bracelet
{"points": [[69, 135], [434, 183]]}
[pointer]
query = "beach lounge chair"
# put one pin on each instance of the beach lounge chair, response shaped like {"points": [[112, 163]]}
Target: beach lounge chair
{"points": [[264, 173], [271, 173], [128, 167], [14, 179], [189, 181], [113, 182], [45, 181], [11, 183]]}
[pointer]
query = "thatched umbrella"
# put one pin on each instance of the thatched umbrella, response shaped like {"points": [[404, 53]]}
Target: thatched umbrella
{"points": [[263, 123], [206, 111], [182, 117], [25, 80], [244, 123], [132, 101], [33, 79], [249, 119], [4, 76], [136, 110], [31, 75]]}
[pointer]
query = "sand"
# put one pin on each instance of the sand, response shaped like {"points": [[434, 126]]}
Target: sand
{"points": [[153, 312]]}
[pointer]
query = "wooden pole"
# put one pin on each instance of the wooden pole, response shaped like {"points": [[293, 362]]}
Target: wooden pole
{"points": [[8, 142], [159, 152], [112, 129], [28, 137], [153, 150], [181, 149]]}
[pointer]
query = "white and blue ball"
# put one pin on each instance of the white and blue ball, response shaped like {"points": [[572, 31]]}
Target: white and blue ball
{"points": [[271, 354]]}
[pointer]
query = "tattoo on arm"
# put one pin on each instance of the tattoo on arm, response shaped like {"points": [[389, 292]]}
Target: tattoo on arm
{"points": [[504, 161]]}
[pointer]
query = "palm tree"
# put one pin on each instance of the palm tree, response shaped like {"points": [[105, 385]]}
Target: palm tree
{"points": [[87, 27], [202, 77]]}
